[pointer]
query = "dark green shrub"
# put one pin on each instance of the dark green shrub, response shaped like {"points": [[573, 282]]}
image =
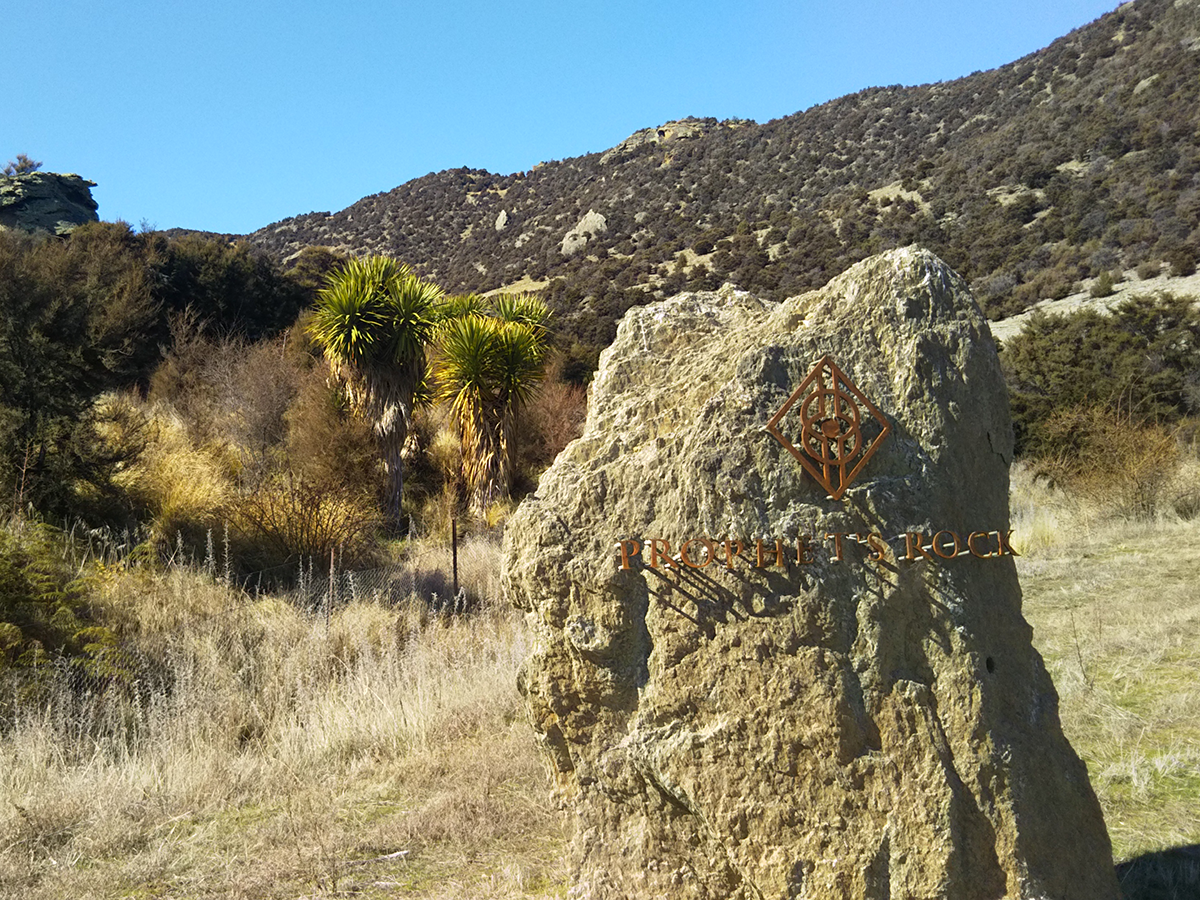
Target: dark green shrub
{"points": [[229, 287], [1102, 286], [43, 605], [1182, 261], [1138, 362]]}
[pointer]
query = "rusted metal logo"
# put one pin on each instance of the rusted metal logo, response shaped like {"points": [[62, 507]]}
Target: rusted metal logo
{"points": [[837, 428]]}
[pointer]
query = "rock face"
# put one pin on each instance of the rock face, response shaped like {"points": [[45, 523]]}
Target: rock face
{"points": [[45, 201], [576, 239], [732, 718], [668, 132]]}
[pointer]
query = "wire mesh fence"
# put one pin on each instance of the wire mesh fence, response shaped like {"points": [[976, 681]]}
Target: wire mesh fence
{"points": [[442, 578], [452, 576]]}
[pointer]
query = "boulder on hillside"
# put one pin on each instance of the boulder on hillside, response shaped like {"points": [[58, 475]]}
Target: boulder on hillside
{"points": [[747, 688], [590, 225], [46, 201]]}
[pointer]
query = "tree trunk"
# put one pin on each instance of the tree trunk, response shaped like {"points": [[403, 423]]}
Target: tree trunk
{"points": [[391, 447]]}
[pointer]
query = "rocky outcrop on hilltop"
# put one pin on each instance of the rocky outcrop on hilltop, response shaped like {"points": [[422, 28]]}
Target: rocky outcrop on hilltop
{"points": [[746, 688], [669, 132], [46, 201]]}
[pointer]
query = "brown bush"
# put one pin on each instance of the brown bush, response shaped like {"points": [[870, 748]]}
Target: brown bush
{"points": [[231, 391], [552, 420], [1120, 464], [289, 518], [1148, 269], [325, 444]]}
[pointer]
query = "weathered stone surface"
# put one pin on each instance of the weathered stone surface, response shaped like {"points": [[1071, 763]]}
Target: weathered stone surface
{"points": [[829, 730], [591, 224], [669, 132], [45, 201]]}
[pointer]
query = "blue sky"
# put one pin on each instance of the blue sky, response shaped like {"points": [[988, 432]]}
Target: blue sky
{"points": [[227, 116]]}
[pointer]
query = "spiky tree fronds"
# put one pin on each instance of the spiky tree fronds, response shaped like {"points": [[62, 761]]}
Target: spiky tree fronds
{"points": [[373, 321], [461, 305], [488, 367], [352, 313], [466, 375], [526, 309]]}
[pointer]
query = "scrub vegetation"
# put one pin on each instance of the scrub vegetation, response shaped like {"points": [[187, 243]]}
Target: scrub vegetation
{"points": [[1114, 610], [178, 717], [245, 747], [1077, 164], [242, 747], [189, 424]]}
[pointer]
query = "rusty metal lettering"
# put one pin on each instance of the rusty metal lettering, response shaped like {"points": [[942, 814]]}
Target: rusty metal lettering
{"points": [[710, 551], [971, 544], [939, 543], [702, 552], [911, 551], [878, 547], [805, 554], [778, 551], [1005, 542], [660, 548], [837, 542], [629, 549]]}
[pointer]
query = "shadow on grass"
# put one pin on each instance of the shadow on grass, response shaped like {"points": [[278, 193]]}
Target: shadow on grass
{"points": [[1171, 874]]}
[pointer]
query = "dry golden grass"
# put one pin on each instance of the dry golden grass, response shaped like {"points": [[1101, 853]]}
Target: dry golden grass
{"points": [[1115, 607], [183, 486], [271, 755]]}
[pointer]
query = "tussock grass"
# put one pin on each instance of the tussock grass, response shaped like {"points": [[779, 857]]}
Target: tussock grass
{"points": [[183, 486], [1116, 608], [265, 753], [1040, 512]]}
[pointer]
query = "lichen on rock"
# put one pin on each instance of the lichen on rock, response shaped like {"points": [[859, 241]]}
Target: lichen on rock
{"points": [[761, 721], [46, 201]]}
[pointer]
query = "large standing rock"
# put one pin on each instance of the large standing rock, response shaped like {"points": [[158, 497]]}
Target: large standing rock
{"points": [[828, 728], [46, 201]]}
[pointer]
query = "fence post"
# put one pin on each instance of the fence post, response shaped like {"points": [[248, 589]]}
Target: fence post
{"points": [[329, 598], [454, 551]]}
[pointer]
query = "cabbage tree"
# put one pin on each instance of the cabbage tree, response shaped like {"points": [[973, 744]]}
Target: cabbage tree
{"points": [[489, 363], [374, 320]]}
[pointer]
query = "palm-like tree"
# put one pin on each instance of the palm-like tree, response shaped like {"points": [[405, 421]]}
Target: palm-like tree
{"points": [[488, 367], [374, 320]]}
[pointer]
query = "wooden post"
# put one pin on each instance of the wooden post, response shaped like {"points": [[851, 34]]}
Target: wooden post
{"points": [[454, 552], [329, 596]]}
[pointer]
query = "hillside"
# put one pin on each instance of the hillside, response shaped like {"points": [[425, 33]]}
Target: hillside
{"points": [[1077, 159]]}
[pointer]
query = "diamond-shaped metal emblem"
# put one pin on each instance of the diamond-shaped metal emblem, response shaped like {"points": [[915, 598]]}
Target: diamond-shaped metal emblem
{"points": [[836, 428]]}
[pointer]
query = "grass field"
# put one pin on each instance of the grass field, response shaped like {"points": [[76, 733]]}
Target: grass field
{"points": [[1115, 607], [277, 756], [386, 752]]}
